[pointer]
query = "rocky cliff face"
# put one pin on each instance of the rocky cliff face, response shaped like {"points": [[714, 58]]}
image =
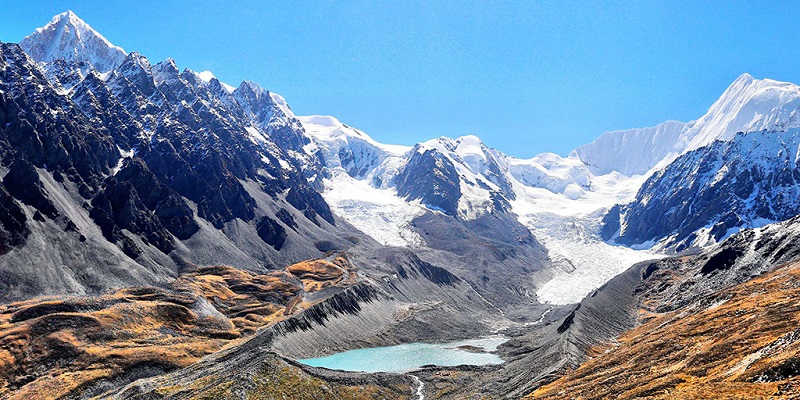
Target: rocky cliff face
{"points": [[432, 179], [142, 164], [706, 195]]}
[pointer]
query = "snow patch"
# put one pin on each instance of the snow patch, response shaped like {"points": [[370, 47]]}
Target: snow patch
{"points": [[255, 135], [207, 76], [380, 214], [281, 103], [123, 155]]}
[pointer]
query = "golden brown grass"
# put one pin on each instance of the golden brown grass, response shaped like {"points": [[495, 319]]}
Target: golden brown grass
{"points": [[743, 345], [52, 347]]}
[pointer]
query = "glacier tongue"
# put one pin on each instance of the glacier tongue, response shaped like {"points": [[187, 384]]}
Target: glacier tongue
{"points": [[584, 261]]}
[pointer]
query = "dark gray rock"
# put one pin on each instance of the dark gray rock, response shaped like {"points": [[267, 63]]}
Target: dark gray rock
{"points": [[723, 187], [13, 223], [430, 177], [192, 178], [22, 182], [271, 232]]}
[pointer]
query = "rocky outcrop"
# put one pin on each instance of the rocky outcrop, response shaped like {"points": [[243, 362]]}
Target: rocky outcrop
{"points": [[119, 207], [346, 302], [22, 182], [169, 207], [311, 204], [14, 228], [431, 178], [707, 194], [271, 232]]}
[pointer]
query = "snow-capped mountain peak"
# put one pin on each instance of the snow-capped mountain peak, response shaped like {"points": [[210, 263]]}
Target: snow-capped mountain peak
{"points": [[208, 76], [260, 103], [281, 103], [250, 88], [165, 70], [69, 38], [748, 105]]}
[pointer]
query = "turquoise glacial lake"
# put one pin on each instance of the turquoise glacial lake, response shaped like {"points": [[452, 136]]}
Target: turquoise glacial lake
{"points": [[407, 357]]}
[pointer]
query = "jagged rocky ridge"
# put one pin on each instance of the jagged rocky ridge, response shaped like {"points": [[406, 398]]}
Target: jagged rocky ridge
{"points": [[145, 169], [706, 195]]}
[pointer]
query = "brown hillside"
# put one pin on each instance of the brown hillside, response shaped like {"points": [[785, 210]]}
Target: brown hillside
{"points": [[54, 347], [740, 344]]}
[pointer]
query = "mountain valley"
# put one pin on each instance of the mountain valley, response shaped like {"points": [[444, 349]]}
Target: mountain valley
{"points": [[167, 235]]}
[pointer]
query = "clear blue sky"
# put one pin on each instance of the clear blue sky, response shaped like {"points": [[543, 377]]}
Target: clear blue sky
{"points": [[526, 77]]}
